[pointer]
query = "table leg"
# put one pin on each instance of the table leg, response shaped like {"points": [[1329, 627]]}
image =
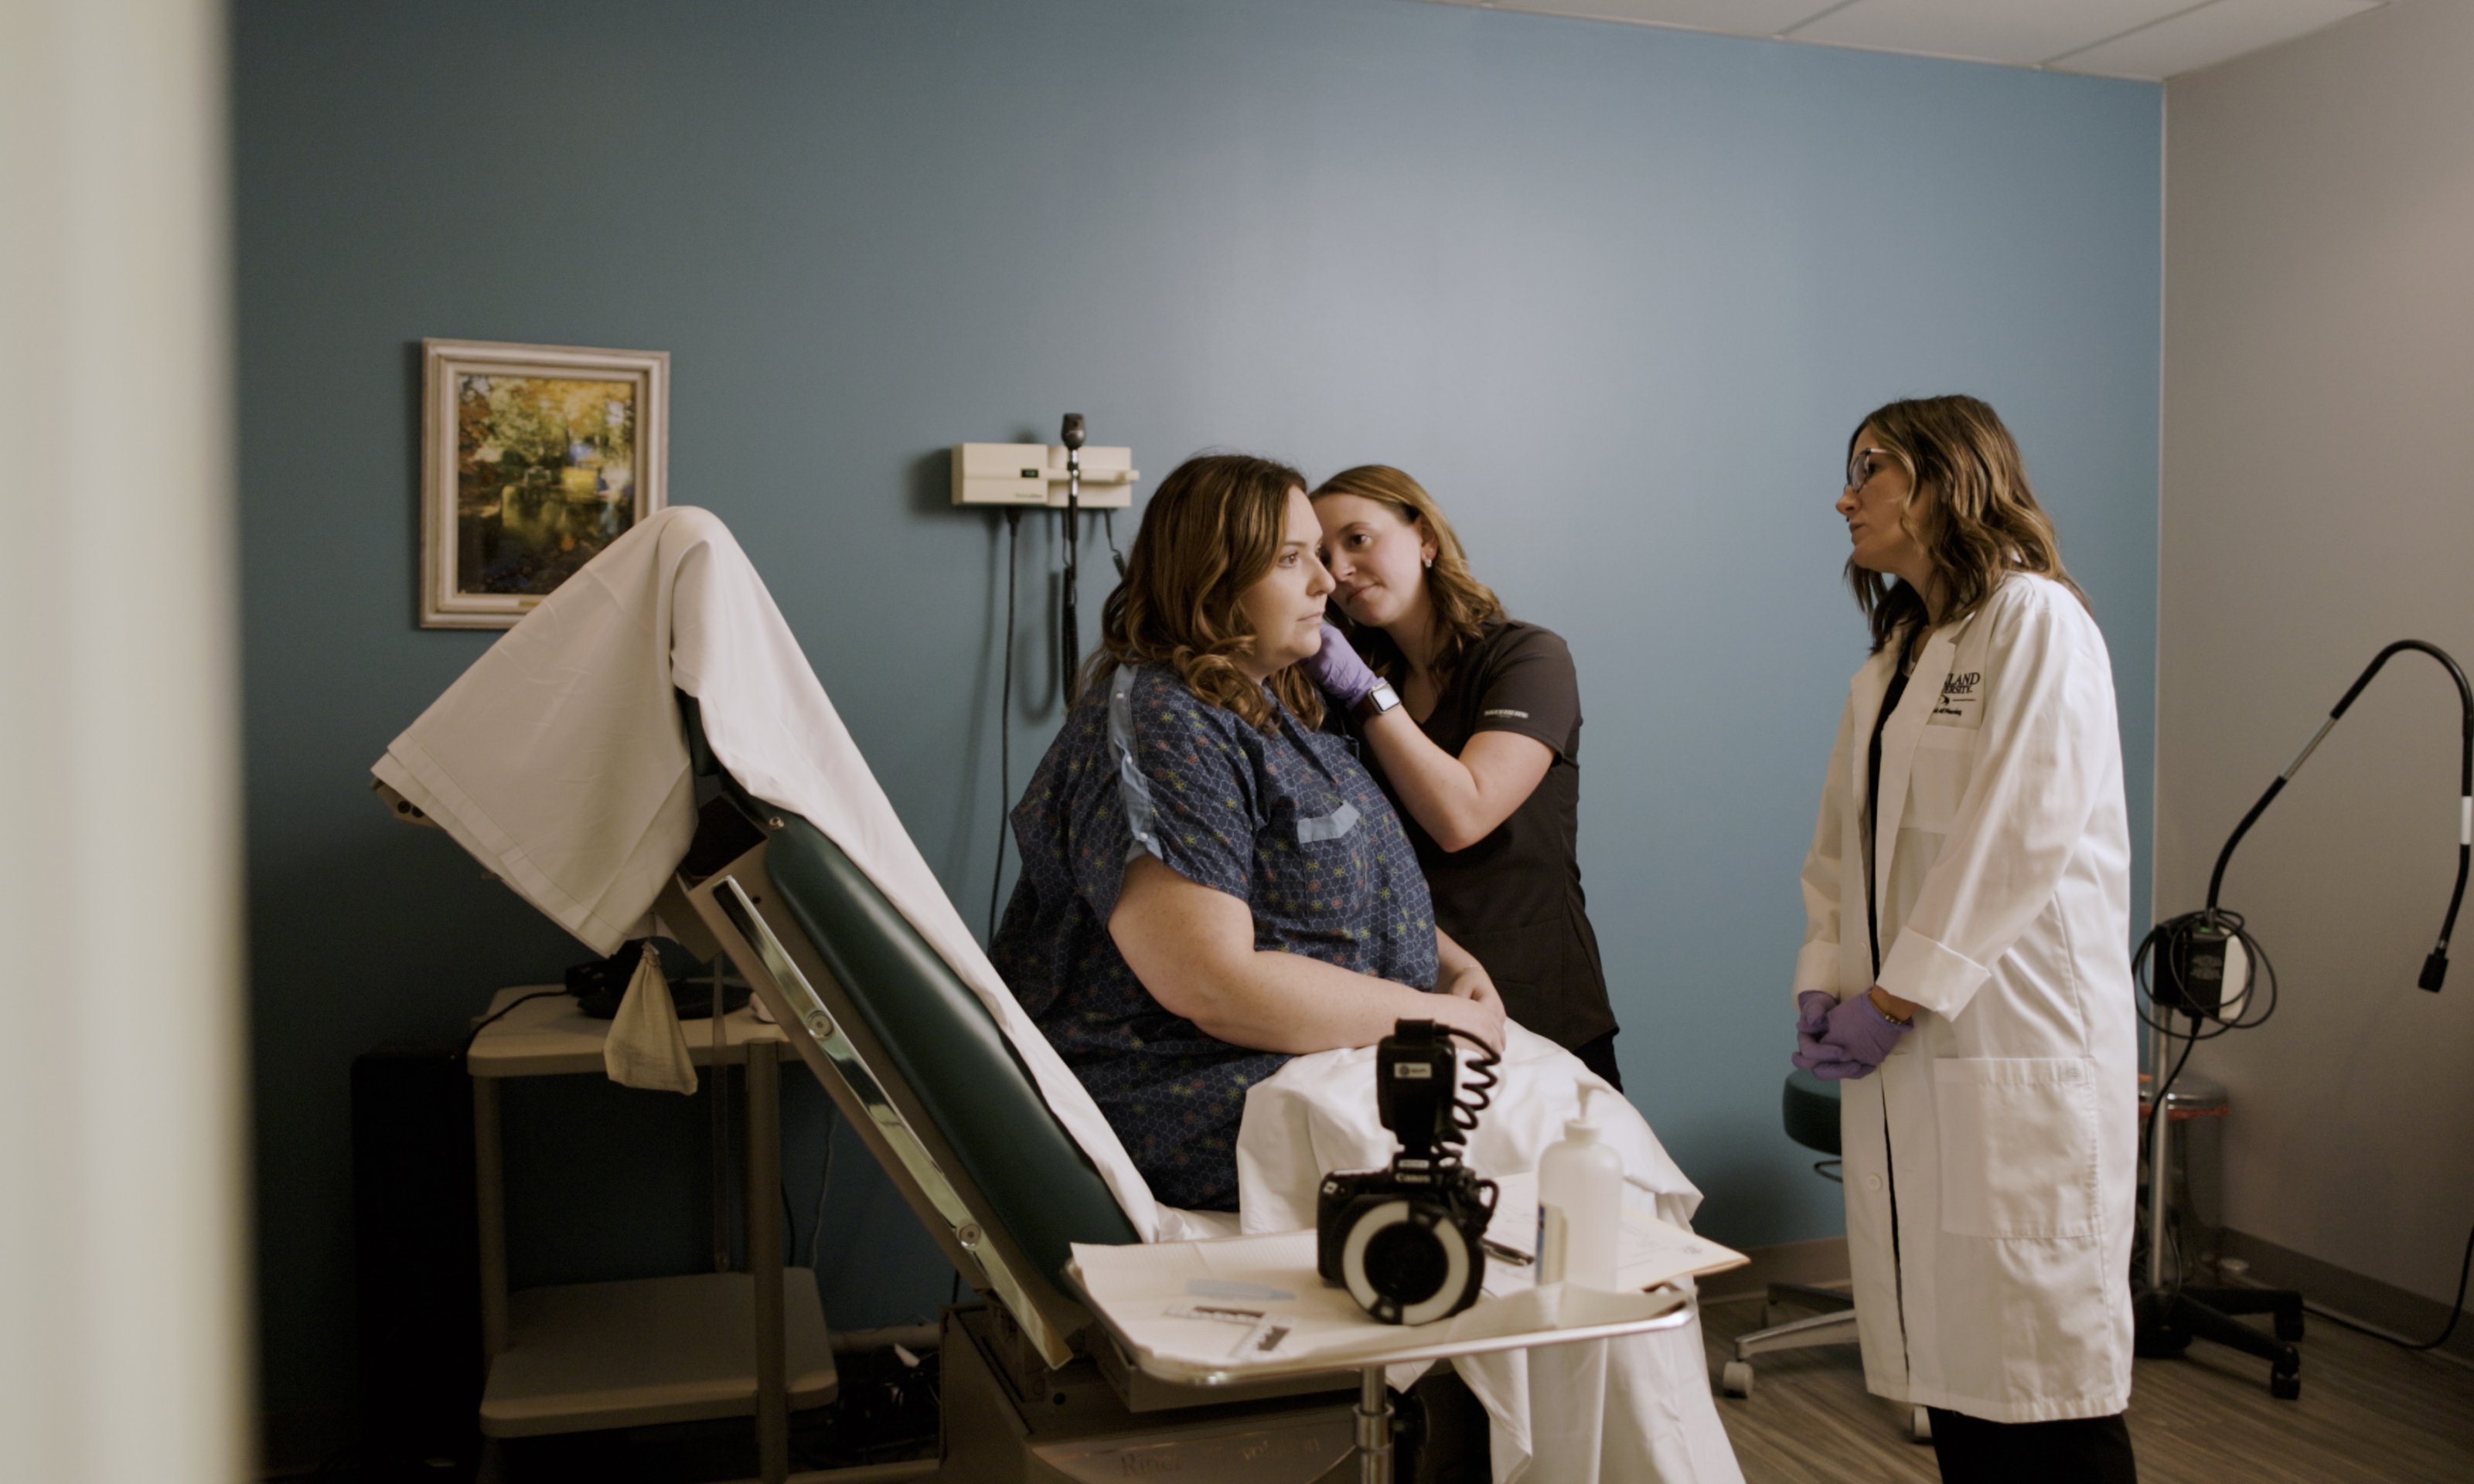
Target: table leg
{"points": [[764, 1260], [718, 1118], [490, 1201], [1374, 1428]]}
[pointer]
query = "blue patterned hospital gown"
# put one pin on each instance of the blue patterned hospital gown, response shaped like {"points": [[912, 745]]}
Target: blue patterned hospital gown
{"points": [[1287, 821]]}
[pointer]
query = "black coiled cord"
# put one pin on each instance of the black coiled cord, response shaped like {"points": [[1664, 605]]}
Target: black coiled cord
{"points": [[1471, 1098], [2167, 948]]}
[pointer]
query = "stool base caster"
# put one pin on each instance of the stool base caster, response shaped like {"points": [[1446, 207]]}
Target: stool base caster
{"points": [[1736, 1379], [1919, 1425]]}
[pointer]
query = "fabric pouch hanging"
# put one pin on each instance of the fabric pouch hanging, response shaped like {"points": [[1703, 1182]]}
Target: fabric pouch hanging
{"points": [[645, 1047]]}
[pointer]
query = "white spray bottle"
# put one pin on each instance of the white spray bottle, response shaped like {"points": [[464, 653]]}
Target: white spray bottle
{"points": [[1579, 1203]]}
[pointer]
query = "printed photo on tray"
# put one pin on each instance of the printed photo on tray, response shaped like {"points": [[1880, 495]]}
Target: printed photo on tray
{"points": [[534, 458]]}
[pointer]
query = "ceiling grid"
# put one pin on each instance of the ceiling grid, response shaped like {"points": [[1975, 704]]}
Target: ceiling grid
{"points": [[2152, 40]]}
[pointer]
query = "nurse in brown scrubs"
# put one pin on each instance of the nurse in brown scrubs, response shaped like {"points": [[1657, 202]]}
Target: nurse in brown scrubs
{"points": [[1471, 722]]}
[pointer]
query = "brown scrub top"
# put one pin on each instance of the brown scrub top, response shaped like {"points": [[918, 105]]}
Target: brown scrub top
{"points": [[1513, 898]]}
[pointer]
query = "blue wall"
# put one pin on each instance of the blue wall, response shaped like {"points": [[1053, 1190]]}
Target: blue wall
{"points": [[1617, 295]]}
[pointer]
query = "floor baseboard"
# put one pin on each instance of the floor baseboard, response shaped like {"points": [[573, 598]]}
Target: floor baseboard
{"points": [[1821, 1263], [2348, 1294]]}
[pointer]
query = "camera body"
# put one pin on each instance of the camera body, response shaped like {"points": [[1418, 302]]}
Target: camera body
{"points": [[1406, 1240]]}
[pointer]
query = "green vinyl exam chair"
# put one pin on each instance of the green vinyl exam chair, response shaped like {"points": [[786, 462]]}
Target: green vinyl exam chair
{"points": [[1033, 1390]]}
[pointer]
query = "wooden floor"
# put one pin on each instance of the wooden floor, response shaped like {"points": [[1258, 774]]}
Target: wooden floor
{"points": [[2368, 1411]]}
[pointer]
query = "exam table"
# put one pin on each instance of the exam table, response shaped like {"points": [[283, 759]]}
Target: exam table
{"points": [[1031, 1390], [632, 749]]}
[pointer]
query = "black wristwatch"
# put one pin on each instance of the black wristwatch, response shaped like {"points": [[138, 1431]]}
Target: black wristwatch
{"points": [[1374, 703]]}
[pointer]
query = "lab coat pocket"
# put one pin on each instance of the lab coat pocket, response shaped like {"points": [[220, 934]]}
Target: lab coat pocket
{"points": [[1937, 779], [2018, 1146]]}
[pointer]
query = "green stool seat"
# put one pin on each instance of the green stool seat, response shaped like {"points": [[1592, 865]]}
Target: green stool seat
{"points": [[1811, 1111]]}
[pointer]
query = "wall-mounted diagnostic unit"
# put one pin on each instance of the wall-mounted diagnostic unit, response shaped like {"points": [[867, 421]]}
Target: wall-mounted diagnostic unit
{"points": [[1037, 474], [1068, 477]]}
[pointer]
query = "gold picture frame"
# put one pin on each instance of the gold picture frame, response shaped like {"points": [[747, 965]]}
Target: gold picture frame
{"points": [[533, 458]]}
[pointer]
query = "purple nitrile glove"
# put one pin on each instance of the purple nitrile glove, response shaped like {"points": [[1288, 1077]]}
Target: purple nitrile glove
{"points": [[1813, 1009], [1337, 669], [1854, 1042]]}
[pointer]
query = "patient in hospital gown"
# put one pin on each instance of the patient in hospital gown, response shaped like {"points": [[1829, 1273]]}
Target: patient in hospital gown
{"points": [[1234, 792], [1145, 766]]}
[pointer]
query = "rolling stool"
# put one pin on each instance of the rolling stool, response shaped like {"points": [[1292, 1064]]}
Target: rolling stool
{"points": [[1810, 1108]]}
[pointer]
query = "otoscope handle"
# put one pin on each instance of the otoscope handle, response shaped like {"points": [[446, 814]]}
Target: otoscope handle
{"points": [[1069, 629]]}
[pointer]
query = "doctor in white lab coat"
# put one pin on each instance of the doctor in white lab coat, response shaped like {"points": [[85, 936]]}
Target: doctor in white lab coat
{"points": [[1966, 969]]}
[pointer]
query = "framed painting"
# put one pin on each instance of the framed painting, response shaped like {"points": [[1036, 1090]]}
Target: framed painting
{"points": [[533, 458]]}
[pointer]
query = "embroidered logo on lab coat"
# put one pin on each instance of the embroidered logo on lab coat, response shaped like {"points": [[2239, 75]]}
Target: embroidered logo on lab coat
{"points": [[1961, 693]]}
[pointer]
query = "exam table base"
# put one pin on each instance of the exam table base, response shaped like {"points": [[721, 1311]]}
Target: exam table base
{"points": [[1074, 1430]]}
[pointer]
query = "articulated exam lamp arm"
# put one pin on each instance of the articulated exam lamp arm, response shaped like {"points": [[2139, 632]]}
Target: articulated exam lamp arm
{"points": [[2435, 967]]}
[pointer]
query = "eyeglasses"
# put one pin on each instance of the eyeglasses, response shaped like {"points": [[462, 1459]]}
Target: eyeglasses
{"points": [[1862, 464]]}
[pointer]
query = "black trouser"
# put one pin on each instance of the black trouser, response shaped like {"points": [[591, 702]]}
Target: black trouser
{"points": [[2076, 1451], [1599, 1055]]}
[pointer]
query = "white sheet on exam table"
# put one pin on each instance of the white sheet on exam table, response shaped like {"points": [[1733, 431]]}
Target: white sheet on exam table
{"points": [[557, 759]]}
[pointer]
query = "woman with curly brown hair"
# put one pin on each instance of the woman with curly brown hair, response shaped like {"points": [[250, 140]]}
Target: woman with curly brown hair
{"points": [[1211, 884]]}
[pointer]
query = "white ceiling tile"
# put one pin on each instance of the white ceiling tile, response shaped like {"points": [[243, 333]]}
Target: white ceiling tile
{"points": [[2214, 32], [1734, 17], [2131, 38], [2019, 32]]}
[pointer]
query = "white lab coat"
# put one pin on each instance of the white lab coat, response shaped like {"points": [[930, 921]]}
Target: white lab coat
{"points": [[1990, 1160]]}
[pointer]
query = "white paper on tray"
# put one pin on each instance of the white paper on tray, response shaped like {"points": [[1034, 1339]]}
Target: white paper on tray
{"points": [[1648, 1252], [1138, 1287]]}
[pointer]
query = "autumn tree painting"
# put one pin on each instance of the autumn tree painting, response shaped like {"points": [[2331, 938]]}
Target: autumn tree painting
{"points": [[533, 469]]}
